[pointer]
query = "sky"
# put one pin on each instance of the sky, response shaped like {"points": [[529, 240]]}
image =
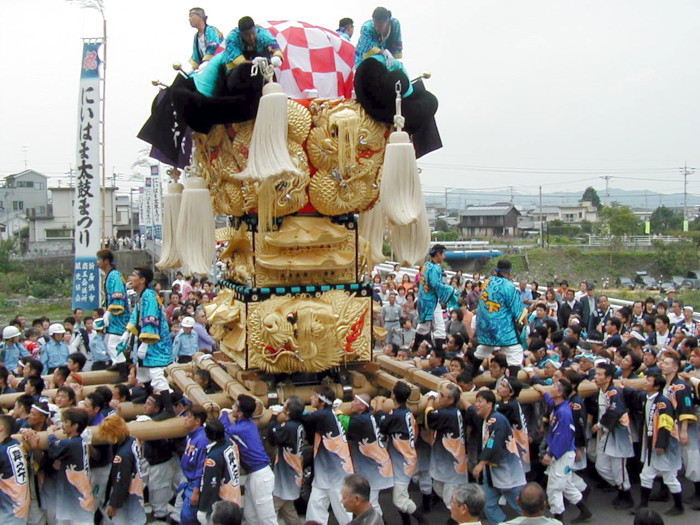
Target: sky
{"points": [[556, 93]]}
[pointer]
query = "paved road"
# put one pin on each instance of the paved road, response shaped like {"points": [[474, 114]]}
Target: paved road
{"points": [[598, 502]]}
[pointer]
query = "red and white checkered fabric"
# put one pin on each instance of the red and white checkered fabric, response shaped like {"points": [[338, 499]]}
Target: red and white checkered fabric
{"points": [[318, 62]]}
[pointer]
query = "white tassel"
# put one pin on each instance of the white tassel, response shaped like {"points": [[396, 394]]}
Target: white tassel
{"points": [[401, 189], [170, 258], [411, 242], [371, 227], [196, 228], [269, 161]]}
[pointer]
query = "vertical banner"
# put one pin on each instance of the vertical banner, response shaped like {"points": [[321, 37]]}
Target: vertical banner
{"points": [[88, 208], [148, 207], [157, 198], [142, 211]]}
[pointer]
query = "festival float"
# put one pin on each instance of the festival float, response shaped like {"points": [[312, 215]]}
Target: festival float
{"points": [[311, 164]]}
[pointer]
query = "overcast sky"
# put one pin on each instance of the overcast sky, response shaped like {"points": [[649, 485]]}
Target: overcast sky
{"points": [[555, 93]]}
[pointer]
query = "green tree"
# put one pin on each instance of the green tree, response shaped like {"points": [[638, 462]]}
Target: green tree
{"points": [[8, 248], [441, 225], [664, 220], [619, 220], [591, 195]]}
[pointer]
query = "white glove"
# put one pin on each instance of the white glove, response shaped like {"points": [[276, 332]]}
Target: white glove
{"points": [[337, 403], [276, 61], [125, 337], [432, 394], [87, 436], [142, 351], [276, 409], [142, 418], [106, 317], [202, 517], [389, 58]]}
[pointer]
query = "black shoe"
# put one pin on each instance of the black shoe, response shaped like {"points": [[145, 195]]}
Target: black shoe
{"points": [[559, 517], [426, 503], [626, 501], [405, 518], [677, 508], [583, 515]]}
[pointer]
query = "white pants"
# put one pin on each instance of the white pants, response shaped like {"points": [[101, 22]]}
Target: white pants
{"points": [[259, 507], [374, 500], [578, 482], [424, 481], [317, 509], [560, 483], [445, 490], [690, 455], [155, 375], [649, 473], [401, 499], [436, 326], [163, 480], [71, 522], [111, 342], [514, 353], [613, 470]]}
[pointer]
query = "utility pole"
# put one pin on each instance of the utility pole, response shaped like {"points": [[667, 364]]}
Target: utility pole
{"points": [[511, 194], [607, 189], [131, 214], [685, 170], [25, 149], [541, 221]]}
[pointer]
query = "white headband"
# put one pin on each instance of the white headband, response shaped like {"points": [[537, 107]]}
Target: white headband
{"points": [[324, 399], [362, 401], [38, 408]]}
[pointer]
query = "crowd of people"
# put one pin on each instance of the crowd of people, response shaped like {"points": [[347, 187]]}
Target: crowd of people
{"points": [[475, 453]]}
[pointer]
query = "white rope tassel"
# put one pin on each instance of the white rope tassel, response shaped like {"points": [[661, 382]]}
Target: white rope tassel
{"points": [[170, 257], [196, 228], [268, 153], [411, 242], [401, 190], [371, 227]]}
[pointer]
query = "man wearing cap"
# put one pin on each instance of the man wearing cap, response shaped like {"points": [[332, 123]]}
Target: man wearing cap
{"points": [[499, 309], [116, 305], [561, 452], [369, 454], [55, 352], [98, 348], [186, 343], [11, 350], [381, 35], [431, 292], [149, 326], [206, 39]]}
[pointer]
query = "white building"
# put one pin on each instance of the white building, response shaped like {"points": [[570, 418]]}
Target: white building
{"points": [[53, 232], [22, 195]]}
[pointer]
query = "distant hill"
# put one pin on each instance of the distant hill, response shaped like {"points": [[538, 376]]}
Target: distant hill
{"points": [[636, 198]]}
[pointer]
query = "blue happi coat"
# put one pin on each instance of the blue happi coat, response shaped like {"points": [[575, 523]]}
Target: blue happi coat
{"points": [[371, 43], [150, 325], [499, 308], [431, 291], [212, 39], [115, 301], [238, 51]]}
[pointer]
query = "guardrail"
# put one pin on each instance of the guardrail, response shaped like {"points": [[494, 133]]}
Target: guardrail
{"points": [[630, 240]]}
